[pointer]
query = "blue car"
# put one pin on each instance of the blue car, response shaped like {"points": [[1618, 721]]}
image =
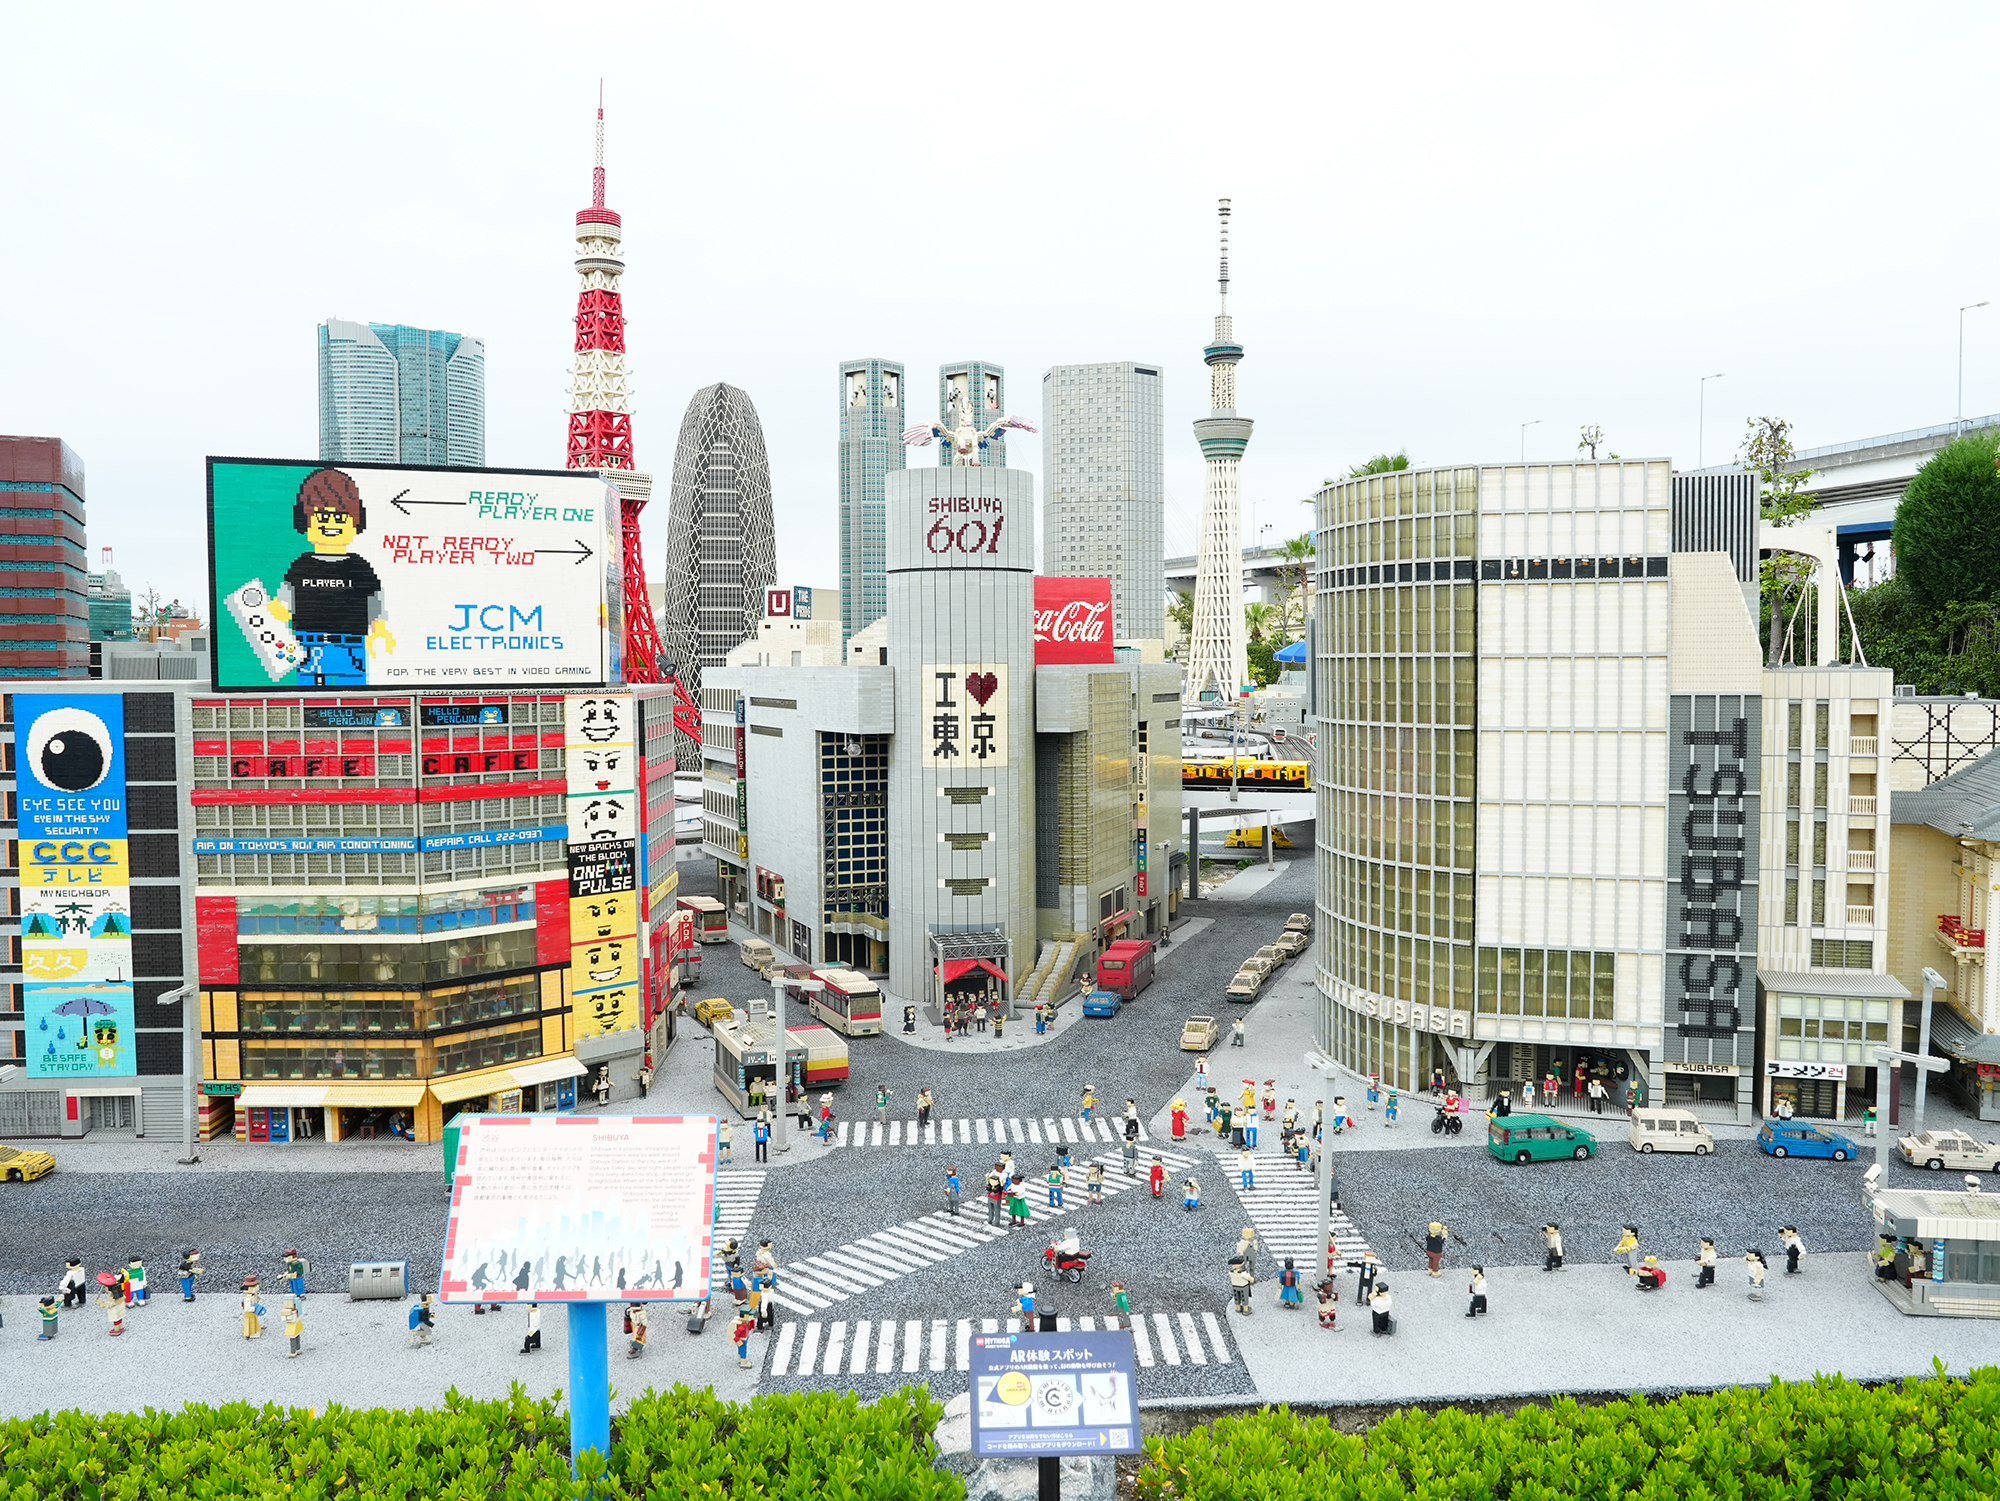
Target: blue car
{"points": [[1102, 1003], [1802, 1139]]}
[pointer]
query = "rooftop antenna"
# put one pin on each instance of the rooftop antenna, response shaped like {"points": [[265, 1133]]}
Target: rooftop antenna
{"points": [[597, 173], [1222, 211]]}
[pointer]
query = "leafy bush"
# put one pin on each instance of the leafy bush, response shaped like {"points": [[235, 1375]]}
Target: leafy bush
{"points": [[1951, 650], [679, 1443], [1797, 1440], [1947, 546]]}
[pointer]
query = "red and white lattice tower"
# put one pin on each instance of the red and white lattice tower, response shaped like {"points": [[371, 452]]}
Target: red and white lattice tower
{"points": [[600, 416]]}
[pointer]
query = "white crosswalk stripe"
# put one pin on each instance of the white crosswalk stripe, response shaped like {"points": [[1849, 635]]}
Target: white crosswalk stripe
{"points": [[1283, 1203], [978, 1130], [736, 1194], [838, 1349]]}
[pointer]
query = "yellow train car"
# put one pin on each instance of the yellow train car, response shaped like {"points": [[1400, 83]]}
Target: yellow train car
{"points": [[1292, 776]]}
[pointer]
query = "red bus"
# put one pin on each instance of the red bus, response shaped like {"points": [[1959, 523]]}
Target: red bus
{"points": [[1126, 967]]}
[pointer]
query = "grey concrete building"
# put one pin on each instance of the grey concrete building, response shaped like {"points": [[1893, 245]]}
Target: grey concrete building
{"points": [[871, 446], [1104, 505]]}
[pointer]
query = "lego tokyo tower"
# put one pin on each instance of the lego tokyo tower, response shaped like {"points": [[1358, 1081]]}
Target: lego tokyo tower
{"points": [[600, 417]]}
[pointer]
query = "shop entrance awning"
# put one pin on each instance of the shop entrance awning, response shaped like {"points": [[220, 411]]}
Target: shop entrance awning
{"points": [[951, 969], [282, 1096], [1952, 1035], [547, 1071], [469, 1086], [374, 1095]]}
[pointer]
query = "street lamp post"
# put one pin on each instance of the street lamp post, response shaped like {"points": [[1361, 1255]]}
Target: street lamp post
{"points": [[1524, 437], [780, 1136], [1933, 983], [1888, 1065], [190, 1066], [1701, 420], [1958, 424]]}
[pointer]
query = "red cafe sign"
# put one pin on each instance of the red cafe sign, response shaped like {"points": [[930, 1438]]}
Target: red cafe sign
{"points": [[1072, 620]]}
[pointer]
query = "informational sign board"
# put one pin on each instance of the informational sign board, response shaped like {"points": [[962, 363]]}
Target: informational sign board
{"points": [[964, 722], [76, 891], [1039, 1394], [347, 576], [580, 1208], [1072, 620]]}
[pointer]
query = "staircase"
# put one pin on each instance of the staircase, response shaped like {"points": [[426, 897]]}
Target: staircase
{"points": [[1052, 976]]}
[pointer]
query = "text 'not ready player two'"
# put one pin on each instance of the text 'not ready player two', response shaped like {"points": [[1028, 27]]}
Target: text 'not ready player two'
{"points": [[353, 576]]}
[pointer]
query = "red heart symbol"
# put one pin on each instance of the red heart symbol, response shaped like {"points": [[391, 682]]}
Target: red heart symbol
{"points": [[982, 686]]}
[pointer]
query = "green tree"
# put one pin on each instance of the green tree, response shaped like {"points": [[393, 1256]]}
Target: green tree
{"points": [[1946, 537], [1181, 611], [1259, 617], [1263, 661], [1382, 463], [1297, 555], [1767, 448]]}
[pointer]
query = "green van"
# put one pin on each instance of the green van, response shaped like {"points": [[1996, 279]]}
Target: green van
{"points": [[1537, 1138]]}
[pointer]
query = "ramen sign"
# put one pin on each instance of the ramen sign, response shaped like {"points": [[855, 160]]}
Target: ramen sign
{"points": [[1072, 620]]}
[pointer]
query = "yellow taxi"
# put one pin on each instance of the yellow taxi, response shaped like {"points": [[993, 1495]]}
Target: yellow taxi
{"points": [[714, 1009], [18, 1165]]}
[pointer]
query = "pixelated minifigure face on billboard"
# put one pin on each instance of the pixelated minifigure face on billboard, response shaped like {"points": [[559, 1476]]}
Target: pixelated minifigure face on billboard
{"points": [[600, 720], [609, 1009], [606, 818], [593, 919], [601, 767], [328, 512], [612, 962]]}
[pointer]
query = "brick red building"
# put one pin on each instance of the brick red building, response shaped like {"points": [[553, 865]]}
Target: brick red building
{"points": [[44, 591]]}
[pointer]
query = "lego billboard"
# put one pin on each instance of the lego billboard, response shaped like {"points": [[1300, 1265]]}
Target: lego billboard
{"points": [[600, 749], [1072, 620], [76, 893], [353, 576]]}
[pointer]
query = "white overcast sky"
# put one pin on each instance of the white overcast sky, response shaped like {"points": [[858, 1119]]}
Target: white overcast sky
{"points": [[1450, 220]]}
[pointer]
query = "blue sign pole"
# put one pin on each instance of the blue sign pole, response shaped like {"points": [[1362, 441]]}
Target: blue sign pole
{"points": [[589, 1383]]}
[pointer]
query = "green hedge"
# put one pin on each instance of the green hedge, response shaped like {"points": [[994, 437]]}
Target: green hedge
{"points": [[679, 1443], [1936, 1437]]}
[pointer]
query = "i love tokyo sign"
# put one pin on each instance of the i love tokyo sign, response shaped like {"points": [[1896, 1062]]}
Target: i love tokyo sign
{"points": [[1072, 620]]}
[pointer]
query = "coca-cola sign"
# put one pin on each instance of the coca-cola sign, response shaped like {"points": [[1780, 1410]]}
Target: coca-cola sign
{"points": [[1072, 620]]}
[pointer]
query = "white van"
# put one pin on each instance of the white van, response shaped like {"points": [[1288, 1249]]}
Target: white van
{"points": [[1670, 1131], [756, 954]]}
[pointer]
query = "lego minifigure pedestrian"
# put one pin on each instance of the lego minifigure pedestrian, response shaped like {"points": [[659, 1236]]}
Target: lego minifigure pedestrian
{"points": [[1055, 1182], [725, 1140], [190, 1268], [1024, 1298], [252, 1307], [1120, 1300], [1795, 1250], [999, 1022], [1374, 1095], [760, 1134], [1190, 1194], [1597, 1092], [1753, 1262], [951, 1191], [979, 1017], [1248, 1123], [1548, 1091], [1041, 1021], [601, 1087], [926, 1101], [1291, 1291], [1094, 1180], [1477, 1287], [1017, 1208], [1364, 1276], [1223, 1114], [1131, 1150], [1527, 1094], [1437, 1079], [296, 1267], [1868, 1121], [1210, 1106], [739, 1335], [532, 1340], [1246, 1247], [294, 1325], [1156, 1177], [1201, 1071], [1635, 1094], [644, 1078], [1329, 1303], [113, 1306], [1651, 1276], [1389, 1109], [135, 1283], [1089, 1101], [882, 1093], [1236, 1033], [74, 1280], [996, 1195], [422, 1321], [1885, 1262], [1434, 1237], [635, 1330], [1341, 1119], [49, 1312], [1706, 1276], [1241, 1281], [1628, 1247], [826, 1124], [1552, 1244], [1381, 1309], [1063, 1155], [1246, 1165]]}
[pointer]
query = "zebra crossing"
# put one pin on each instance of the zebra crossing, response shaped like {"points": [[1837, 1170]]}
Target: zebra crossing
{"points": [[811, 1284], [994, 1130], [736, 1193], [830, 1348], [1283, 1204]]}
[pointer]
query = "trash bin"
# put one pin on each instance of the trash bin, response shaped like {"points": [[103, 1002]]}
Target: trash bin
{"points": [[377, 1279]]}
